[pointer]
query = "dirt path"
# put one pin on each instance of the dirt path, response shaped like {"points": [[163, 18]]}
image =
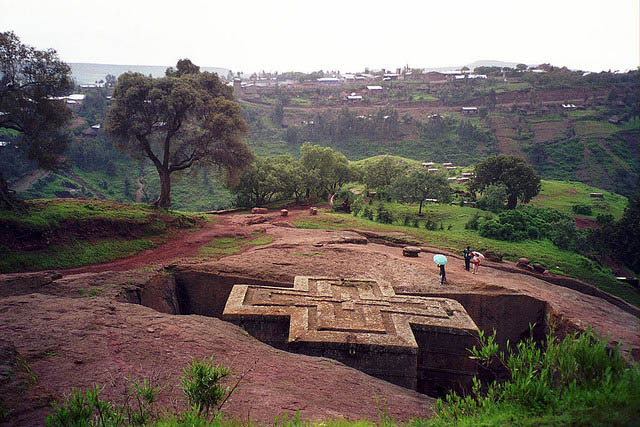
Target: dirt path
{"points": [[182, 244]]}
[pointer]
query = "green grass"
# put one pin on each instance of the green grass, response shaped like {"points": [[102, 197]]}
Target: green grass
{"points": [[297, 101], [593, 128], [583, 114], [264, 240], [548, 117], [46, 213], [457, 238], [64, 216], [223, 246], [562, 195], [75, 254], [423, 97]]}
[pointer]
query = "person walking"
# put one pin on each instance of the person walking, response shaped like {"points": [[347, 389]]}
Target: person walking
{"points": [[443, 278], [467, 258], [476, 263]]}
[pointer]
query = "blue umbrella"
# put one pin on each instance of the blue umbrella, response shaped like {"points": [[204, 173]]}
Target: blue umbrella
{"points": [[440, 259]]}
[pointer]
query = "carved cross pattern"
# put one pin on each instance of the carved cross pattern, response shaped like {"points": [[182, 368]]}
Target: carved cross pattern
{"points": [[324, 309]]}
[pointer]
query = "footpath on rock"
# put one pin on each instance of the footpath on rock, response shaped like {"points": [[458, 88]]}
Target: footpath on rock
{"points": [[142, 318]]}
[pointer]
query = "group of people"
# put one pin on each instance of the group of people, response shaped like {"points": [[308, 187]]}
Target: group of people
{"points": [[471, 258]]}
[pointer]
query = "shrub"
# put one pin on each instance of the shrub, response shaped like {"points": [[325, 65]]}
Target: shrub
{"points": [[605, 219], [472, 224], [575, 380], [356, 206], [429, 224], [384, 215], [534, 223], [367, 213], [201, 384], [84, 409], [581, 209], [493, 198]]}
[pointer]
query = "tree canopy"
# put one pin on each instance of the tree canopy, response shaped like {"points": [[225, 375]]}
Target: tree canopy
{"points": [[329, 169], [380, 172], [31, 82], [188, 118], [419, 184], [319, 172], [520, 179]]}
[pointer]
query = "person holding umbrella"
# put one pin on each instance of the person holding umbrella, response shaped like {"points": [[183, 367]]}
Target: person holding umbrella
{"points": [[441, 260], [477, 256]]}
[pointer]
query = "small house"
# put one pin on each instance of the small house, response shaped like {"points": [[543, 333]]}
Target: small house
{"points": [[447, 164], [470, 111], [432, 170], [328, 80]]}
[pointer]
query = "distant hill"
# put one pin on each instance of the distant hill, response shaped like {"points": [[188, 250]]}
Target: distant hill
{"points": [[492, 63], [481, 63], [85, 73]]}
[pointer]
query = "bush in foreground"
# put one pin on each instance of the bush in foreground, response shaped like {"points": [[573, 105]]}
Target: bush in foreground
{"points": [[575, 380], [201, 385]]}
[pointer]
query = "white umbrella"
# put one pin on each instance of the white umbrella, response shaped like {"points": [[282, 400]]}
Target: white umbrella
{"points": [[478, 254]]}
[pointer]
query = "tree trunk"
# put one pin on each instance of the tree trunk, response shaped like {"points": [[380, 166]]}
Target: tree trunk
{"points": [[512, 202], [164, 201], [420, 209], [8, 199]]}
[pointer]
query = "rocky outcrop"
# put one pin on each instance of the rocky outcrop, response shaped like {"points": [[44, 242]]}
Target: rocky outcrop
{"points": [[80, 342]]}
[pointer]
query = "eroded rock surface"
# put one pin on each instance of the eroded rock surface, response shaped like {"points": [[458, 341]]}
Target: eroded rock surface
{"points": [[79, 342], [91, 328]]}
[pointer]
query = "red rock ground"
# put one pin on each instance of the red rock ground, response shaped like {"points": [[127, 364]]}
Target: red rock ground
{"points": [[78, 330]]}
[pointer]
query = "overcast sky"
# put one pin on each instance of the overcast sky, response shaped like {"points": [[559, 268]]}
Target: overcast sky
{"points": [[343, 35]]}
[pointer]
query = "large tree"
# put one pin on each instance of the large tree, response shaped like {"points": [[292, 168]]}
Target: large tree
{"points": [[380, 172], [259, 182], [31, 81], [520, 179], [184, 119], [419, 184], [327, 169]]}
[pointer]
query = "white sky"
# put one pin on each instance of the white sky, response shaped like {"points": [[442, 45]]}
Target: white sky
{"points": [[345, 35]]}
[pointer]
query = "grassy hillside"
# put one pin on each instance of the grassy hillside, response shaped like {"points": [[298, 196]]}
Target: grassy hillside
{"points": [[63, 233], [563, 195], [596, 144]]}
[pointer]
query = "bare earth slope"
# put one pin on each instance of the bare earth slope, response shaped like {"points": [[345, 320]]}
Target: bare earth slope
{"points": [[79, 342]]}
